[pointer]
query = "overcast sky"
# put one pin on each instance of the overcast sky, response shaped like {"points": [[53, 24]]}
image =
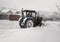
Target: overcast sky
{"points": [[43, 5]]}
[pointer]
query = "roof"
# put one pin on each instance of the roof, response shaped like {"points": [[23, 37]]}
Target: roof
{"points": [[29, 11]]}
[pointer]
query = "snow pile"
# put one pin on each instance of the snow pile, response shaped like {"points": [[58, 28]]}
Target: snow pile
{"points": [[52, 23]]}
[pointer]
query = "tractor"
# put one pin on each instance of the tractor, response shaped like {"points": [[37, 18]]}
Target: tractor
{"points": [[30, 18]]}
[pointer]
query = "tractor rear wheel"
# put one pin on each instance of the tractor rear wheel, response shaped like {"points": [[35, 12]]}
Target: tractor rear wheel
{"points": [[29, 23]]}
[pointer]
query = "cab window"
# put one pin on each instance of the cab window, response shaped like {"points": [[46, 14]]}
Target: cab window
{"points": [[33, 14]]}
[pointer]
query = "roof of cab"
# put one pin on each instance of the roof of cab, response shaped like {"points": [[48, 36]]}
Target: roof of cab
{"points": [[29, 11]]}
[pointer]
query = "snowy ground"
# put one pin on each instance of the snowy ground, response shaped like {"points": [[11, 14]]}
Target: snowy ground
{"points": [[11, 32]]}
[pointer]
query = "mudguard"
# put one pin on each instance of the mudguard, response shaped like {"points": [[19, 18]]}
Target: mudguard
{"points": [[24, 20], [28, 18]]}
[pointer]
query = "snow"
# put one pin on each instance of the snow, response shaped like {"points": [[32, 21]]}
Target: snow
{"points": [[8, 24], [10, 31], [5, 10]]}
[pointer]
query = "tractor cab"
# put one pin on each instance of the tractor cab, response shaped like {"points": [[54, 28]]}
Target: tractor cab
{"points": [[29, 13]]}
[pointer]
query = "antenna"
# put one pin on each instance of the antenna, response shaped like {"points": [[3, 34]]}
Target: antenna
{"points": [[21, 11]]}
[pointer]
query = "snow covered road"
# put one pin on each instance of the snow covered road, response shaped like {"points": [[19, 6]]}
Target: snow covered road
{"points": [[11, 32]]}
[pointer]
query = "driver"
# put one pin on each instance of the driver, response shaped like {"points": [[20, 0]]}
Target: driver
{"points": [[29, 15]]}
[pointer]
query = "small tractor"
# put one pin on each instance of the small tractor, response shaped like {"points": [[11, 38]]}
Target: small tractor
{"points": [[30, 18]]}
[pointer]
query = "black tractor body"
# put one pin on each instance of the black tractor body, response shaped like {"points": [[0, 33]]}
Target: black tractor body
{"points": [[30, 18]]}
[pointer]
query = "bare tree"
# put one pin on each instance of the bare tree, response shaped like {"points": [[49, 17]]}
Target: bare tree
{"points": [[58, 8]]}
